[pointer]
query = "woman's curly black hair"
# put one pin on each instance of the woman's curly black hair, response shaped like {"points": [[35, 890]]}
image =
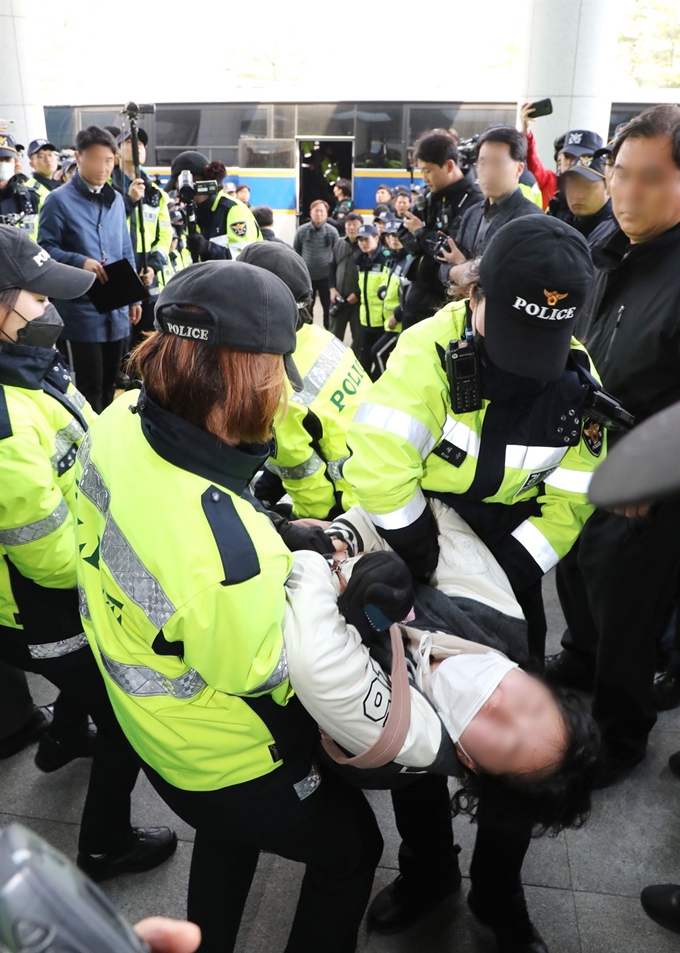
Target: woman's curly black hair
{"points": [[555, 801]]}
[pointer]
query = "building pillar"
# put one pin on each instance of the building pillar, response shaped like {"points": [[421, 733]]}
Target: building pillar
{"points": [[21, 113]]}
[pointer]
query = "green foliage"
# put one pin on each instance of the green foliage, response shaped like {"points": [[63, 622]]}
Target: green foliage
{"points": [[649, 44]]}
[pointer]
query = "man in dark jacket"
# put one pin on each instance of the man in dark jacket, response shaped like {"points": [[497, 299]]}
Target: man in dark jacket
{"points": [[452, 193], [617, 586], [343, 277], [585, 190]]}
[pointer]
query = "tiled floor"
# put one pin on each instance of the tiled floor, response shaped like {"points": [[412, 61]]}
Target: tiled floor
{"points": [[582, 887]]}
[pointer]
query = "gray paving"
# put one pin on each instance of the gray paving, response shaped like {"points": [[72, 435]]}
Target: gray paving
{"points": [[582, 887]]}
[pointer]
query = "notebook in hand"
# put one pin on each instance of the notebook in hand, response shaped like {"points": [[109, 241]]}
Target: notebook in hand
{"points": [[123, 288]]}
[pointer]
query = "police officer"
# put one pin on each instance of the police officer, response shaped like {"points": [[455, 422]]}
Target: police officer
{"points": [[19, 204], [392, 293], [371, 261], [516, 469], [310, 447], [157, 226], [185, 615], [43, 419], [225, 225], [43, 159]]}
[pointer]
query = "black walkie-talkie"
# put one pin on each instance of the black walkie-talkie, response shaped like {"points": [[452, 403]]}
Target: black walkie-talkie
{"points": [[464, 372]]}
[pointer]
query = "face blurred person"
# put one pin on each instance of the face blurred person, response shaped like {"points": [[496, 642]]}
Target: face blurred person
{"points": [[96, 163], [499, 163], [45, 162], [645, 186], [318, 213]]}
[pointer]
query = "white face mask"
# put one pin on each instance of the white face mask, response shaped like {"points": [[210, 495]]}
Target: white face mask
{"points": [[462, 684], [6, 169]]}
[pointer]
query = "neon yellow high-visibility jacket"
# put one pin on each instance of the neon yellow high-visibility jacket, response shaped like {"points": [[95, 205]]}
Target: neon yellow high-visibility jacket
{"points": [[43, 419], [311, 444], [371, 279], [517, 471], [228, 222], [392, 275], [182, 595]]}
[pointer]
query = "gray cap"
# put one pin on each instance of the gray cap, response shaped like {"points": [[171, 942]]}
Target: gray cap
{"points": [[25, 265], [644, 466], [241, 307]]}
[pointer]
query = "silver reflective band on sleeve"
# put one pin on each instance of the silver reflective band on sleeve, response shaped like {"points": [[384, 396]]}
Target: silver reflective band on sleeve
{"points": [[133, 577], [398, 519], [574, 481], [32, 531], [93, 487], [64, 440], [58, 649], [319, 373], [335, 468], [83, 607], [536, 545], [533, 458], [302, 470], [396, 422], [75, 398], [461, 436], [309, 784], [139, 680], [277, 677]]}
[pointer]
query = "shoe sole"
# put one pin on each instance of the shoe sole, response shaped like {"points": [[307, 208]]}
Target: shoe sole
{"points": [[423, 912], [49, 767], [666, 924], [152, 862]]}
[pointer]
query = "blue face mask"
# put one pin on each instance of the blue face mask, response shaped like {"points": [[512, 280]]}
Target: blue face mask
{"points": [[42, 331]]}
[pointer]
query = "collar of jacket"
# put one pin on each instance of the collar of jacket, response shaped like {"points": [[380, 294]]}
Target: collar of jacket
{"points": [[107, 192], [611, 252], [190, 448], [26, 367], [43, 180], [455, 191], [587, 223]]}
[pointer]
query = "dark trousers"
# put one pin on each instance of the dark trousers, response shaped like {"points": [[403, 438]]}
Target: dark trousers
{"points": [[16, 704], [105, 824], [321, 288], [332, 831], [616, 590], [381, 350], [348, 314], [427, 854], [95, 365], [369, 338]]}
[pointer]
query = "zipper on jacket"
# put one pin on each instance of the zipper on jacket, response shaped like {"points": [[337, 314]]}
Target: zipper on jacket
{"points": [[616, 328]]}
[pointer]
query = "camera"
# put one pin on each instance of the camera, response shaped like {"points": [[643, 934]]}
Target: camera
{"points": [[12, 218], [467, 152], [187, 189], [132, 110], [337, 304]]}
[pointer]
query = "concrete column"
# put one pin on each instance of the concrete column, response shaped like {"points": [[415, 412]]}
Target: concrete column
{"points": [[20, 105], [570, 52]]}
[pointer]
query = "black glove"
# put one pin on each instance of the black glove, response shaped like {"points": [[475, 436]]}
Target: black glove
{"points": [[382, 292], [298, 537], [199, 247], [382, 586]]}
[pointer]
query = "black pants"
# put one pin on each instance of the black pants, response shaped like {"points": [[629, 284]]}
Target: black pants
{"points": [[105, 824], [427, 854], [381, 350], [16, 704], [348, 314], [321, 287], [369, 338], [332, 831], [95, 366], [615, 591]]}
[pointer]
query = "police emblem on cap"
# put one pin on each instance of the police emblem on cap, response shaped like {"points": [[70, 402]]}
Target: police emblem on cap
{"points": [[592, 436], [574, 138], [585, 161], [239, 229], [554, 296]]}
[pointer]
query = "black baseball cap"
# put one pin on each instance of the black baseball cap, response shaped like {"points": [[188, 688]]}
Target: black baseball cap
{"points": [[402, 190], [581, 142], [590, 167], [142, 135], [366, 230], [37, 144], [536, 274], [286, 264], [25, 265], [194, 162], [644, 466], [8, 148], [392, 225], [242, 307]]}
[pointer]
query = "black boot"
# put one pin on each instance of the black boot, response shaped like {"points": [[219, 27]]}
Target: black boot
{"points": [[400, 904], [53, 754], [30, 733], [566, 670], [149, 847], [662, 904], [666, 691], [514, 931]]}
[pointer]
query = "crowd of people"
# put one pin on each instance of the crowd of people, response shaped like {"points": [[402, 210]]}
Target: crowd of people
{"points": [[335, 583]]}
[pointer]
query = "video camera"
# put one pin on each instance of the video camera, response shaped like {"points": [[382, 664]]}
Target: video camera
{"points": [[187, 189], [132, 110], [467, 152], [12, 218]]}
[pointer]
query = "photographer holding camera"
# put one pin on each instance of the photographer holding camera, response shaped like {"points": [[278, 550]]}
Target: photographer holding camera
{"points": [[19, 204], [434, 216], [217, 224]]}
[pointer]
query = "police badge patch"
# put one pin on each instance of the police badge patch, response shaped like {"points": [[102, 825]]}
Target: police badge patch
{"points": [[592, 436], [239, 229]]}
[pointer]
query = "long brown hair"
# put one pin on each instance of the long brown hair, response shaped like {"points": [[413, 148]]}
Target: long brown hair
{"points": [[231, 394]]}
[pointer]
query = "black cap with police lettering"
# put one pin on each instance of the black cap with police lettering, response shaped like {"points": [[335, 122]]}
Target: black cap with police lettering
{"points": [[536, 274], [37, 144], [27, 266], [240, 306]]}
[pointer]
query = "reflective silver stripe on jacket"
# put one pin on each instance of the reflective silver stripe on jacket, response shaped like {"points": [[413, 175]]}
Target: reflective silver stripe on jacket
{"points": [[533, 458], [57, 649], [319, 373], [83, 607], [139, 680], [536, 545], [64, 440], [277, 677], [397, 422], [311, 465], [574, 481], [404, 516], [93, 487], [132, 575], [75, 399], [309, 784], [335, 468], [32, 531]]}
